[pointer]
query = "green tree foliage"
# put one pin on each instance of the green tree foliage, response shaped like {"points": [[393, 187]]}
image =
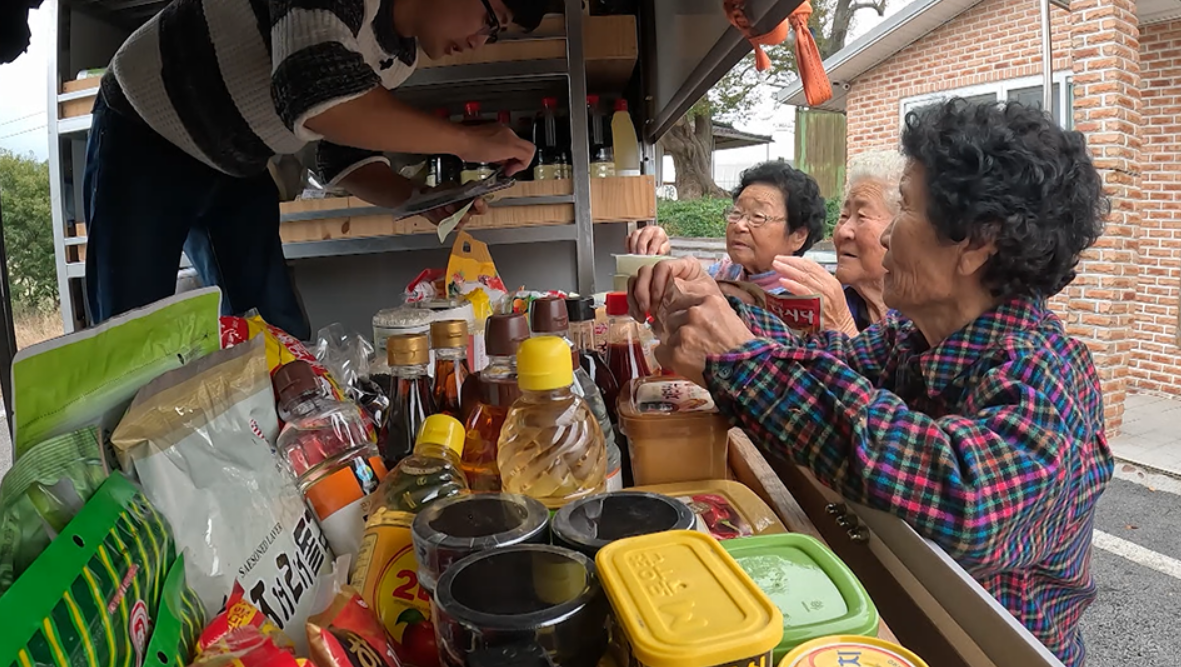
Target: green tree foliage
{"points": [[693, 218], [28, 231], [736, 96]]}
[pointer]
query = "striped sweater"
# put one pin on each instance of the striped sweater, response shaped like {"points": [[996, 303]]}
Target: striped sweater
{"points": [[233, 82]]}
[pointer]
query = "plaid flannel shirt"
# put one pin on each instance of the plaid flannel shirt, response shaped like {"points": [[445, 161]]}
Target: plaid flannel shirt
{"points": [[990, 444]]}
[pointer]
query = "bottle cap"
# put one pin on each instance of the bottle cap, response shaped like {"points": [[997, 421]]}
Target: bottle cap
{"points": [[408, 350], [503, 334], [471, 108], [549, 315], [504, 117], [580, 308], [621, 104], [549, 102], [544, 364], [448, 333], [617, 303], [442, 430], [294, 379], [592, 100]]}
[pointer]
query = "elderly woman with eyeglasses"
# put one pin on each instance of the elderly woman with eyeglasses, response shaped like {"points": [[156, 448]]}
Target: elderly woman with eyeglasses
{"points": [[969, 412], [777, 211], [853, 295]]}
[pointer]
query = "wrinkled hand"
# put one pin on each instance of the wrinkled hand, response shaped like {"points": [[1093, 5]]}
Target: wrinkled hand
{"points": [[497, 144], [646, 291], [697, 323], [438, 215], [804, 277], [649, 240]]}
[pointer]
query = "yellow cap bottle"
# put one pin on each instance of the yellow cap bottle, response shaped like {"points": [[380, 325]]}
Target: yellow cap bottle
{"points": [[551, 446], [544, 363], [441, 430]]}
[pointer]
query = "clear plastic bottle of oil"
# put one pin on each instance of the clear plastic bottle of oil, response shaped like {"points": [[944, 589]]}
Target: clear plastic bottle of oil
{"points": [[386, 572], [551, 446], [497, 390]]}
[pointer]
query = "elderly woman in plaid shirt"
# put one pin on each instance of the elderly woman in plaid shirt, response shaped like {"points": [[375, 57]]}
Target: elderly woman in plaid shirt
{"points": [[968, 412]]}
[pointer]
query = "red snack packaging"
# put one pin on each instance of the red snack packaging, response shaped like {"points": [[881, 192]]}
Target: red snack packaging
{"points": [[800, 313], [282, 347], [348, 633], [242, 636]]}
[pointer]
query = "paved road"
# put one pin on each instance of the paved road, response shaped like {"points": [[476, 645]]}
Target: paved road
{"points": [[1137, 565]]}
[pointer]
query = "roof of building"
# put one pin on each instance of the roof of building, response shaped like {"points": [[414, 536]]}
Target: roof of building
{"points": [[914, 21], [898, 31], [726, 137]]}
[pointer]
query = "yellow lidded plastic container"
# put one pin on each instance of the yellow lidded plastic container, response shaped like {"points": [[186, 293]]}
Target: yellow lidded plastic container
{"points": [[839, 650], [682, 601]]}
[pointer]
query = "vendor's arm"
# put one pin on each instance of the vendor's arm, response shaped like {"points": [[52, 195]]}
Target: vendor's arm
{"points": [[960, 480], [323, 89]]}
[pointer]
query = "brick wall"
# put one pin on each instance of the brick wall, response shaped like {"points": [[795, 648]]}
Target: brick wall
{"points": [[1155, 357], [1130, 326], [966, 51]]}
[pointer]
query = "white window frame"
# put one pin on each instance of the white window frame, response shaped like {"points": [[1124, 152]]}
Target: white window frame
{"points": [[999, 88]]}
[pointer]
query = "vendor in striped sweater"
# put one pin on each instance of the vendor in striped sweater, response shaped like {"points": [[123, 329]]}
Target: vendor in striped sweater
{"points": [[200, 98]]}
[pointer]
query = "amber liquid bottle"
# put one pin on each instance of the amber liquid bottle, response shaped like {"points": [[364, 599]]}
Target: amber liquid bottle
{"points": [[497, 391], [582, 333], [449, 340], [411, 401], [625, 351]]}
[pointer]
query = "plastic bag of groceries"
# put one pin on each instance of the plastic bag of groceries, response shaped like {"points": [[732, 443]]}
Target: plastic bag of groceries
{"points": [[109, 590], [88, 377], [200, 439]]}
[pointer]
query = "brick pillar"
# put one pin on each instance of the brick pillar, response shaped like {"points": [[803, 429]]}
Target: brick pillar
{"points": [[1098, 306]]}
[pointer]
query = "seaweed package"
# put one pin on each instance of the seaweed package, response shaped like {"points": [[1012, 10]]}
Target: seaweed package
{"points": [[42, 493], [109, 590]]}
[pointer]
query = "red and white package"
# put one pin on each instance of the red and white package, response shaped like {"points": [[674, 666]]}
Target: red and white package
{"points": [[800, 313]]}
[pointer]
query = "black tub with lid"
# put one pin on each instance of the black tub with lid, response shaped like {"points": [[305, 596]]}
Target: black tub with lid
{"points": [[455, 528], [542, 596], [592, 523]]}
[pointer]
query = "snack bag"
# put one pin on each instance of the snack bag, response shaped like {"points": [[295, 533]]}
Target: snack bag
{"points": [[42, 493], [241, 636], [200, 440], [348, 633], [429, 285], [800, 313], [239, 614], [88, 377], [471, 268], [109, 590], [282, 348]]}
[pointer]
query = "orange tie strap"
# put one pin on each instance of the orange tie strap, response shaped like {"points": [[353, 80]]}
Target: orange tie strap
{"points": [[817, 88]]}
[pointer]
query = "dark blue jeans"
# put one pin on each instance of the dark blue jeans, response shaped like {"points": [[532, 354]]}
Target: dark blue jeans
{"points": [[147, 200]]}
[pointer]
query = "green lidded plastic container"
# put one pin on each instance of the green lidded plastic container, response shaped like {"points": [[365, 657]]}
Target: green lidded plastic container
{"points": [[818, 594]]}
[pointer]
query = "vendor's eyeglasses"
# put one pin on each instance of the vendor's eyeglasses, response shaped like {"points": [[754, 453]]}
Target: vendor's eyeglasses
{"points": [[735, 216], [492, 25]]}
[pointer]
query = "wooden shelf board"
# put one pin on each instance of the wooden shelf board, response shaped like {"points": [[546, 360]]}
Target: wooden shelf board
{"points": [[612, 200], [611, 49]]}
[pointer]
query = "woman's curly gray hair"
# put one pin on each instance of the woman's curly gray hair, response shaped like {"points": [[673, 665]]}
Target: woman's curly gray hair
{"points": [[884, 166]]}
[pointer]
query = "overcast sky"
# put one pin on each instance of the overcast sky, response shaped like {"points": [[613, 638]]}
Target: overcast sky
{"points": [[24, 96]]}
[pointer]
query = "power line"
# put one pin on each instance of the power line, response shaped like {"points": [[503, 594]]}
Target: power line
{"points": [[15, 134], [16, 120]]}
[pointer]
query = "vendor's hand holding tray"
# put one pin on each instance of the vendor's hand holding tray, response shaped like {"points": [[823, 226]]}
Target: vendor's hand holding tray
{"points": [[421, 202]]}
